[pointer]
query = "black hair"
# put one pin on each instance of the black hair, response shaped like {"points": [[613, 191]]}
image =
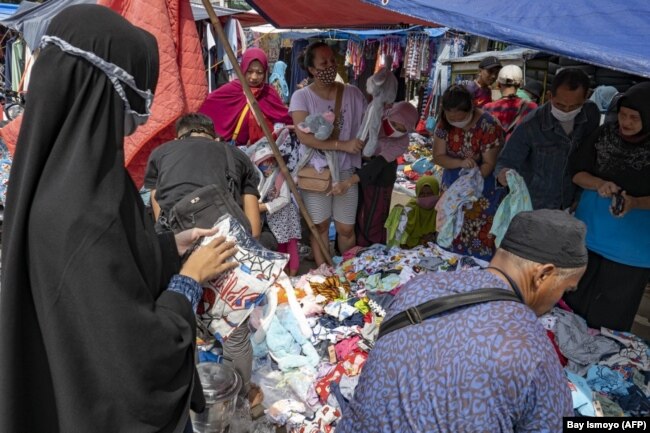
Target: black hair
{"points": [[456, 97], [572, 78], [306, 60], [194, 122]]}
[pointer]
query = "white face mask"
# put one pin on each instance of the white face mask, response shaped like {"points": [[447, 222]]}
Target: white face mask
{"points": [[462, 123], [564, 116]]}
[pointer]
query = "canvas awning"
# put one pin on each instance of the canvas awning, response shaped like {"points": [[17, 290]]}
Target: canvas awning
{"points": [[613, 34], [288, 14]]}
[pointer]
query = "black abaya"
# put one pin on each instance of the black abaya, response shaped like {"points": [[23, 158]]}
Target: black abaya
{"points": [[90, 339]]}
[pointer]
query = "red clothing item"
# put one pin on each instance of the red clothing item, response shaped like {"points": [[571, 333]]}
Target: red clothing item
{"points": [[480, 95], [510, 111], [486, 134], [563, 360]]}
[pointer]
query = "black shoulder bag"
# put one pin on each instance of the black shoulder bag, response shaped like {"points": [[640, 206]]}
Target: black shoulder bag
{"points": [[204, 206], [421, 312]]}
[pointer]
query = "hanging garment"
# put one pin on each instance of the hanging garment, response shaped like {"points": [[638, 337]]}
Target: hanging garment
{"points": [[278, 80], [297, 72], [517, 200], [390, 49], [17, 63]]}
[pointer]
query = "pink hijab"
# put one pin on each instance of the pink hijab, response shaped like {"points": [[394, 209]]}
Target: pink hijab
{"points": [[224, 105], [390, 148]]}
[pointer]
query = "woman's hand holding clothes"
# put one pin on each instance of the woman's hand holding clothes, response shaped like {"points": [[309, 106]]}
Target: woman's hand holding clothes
{"points": [[350, 146], [607, 189], [208, 261], [468, 163], [339, 188], [187, 238]]}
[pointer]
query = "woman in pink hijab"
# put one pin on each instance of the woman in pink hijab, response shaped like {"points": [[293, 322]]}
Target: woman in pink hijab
{"points": [[378, 174], [227, 106]]}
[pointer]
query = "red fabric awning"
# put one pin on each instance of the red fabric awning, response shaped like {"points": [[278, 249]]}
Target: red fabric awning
{"points": [[292, 14]]}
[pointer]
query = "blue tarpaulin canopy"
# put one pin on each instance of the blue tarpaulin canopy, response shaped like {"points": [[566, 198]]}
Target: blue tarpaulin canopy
{"points": [[613, 34], [7, 10]]}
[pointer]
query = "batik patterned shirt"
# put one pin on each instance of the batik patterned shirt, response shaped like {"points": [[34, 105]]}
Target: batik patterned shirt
{"points": [[485, 368]]}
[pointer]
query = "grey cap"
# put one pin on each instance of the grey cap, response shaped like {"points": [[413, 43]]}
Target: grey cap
{"points": [[547, 236], [489, 62]]}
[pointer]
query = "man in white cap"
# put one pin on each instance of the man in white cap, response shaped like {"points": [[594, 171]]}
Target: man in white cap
{"points": [[481, 365], [510, 110]]}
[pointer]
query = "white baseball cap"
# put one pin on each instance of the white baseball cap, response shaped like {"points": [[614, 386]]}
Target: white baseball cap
{"points": [[510, 75]]}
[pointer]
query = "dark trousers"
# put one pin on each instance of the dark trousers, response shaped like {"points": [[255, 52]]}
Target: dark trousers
{"points": [[372, 212], [609, 293]]}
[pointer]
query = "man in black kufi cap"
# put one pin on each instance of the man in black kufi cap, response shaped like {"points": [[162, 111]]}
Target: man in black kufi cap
{"points": [[484, 366]]}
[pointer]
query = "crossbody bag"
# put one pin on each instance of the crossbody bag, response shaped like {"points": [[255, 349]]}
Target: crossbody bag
{"points": [[426, 310], [204, 206]]}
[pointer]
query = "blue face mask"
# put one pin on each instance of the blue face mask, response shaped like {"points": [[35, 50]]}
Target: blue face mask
{"points": [[264, 167]]}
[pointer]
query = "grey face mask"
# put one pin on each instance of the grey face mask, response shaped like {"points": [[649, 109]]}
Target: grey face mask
{"points": [[118, 76]]}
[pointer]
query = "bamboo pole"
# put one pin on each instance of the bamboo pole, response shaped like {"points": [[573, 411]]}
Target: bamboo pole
{"points": [[267, 132]]}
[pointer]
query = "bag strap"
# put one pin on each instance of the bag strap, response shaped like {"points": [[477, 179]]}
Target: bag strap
{"points": [[512, 125], [240, 122], [230, 170], [421, 312], [337, 110]]}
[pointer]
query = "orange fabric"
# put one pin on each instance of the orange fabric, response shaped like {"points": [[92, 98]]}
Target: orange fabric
{"points": [[182, 83], [9, 133]]}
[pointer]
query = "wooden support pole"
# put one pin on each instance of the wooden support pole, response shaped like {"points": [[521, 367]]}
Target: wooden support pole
{"points": [[257, 112]]}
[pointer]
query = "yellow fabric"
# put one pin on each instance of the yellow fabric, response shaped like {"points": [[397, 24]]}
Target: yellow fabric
{"points": [[242, 116]]}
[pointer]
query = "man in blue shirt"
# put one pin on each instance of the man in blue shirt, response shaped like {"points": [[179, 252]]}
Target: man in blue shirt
{"points": [[489, 367], [540, 147]]}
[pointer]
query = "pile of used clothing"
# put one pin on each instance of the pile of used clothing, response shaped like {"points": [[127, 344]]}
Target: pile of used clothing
{"points": [[608, 371], [313, 337], [314, 334]]}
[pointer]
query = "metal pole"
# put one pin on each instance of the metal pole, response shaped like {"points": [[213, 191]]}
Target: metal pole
{"points": [[267, 132]]}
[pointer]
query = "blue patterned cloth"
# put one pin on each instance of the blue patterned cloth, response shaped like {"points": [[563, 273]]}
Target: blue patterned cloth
{"points": [[187, 287], [5, 168], [484, 368]]}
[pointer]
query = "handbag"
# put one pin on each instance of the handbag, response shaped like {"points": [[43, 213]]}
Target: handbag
{"points": [[309, 179], [204, 206]]}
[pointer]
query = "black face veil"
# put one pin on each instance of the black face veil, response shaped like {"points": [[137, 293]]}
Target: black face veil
{"points": [[89, 339]]}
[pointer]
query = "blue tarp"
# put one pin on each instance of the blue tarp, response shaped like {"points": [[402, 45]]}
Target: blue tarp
{"points": [[7, 10], [377, 34], [360, 34], [613, 34]]}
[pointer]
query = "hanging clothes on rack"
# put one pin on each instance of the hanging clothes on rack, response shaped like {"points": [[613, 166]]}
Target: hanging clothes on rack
{"points": [[354, 56], [439, 79], [8, 59], [237, 40], [416, 58], [389, 47], [297, 72]]}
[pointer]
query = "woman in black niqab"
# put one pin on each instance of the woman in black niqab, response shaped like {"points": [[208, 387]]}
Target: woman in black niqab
{"points": [[90, 340]]}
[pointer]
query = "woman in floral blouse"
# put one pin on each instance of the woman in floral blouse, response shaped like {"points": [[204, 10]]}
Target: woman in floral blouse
{"points": [[467, 137]]}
